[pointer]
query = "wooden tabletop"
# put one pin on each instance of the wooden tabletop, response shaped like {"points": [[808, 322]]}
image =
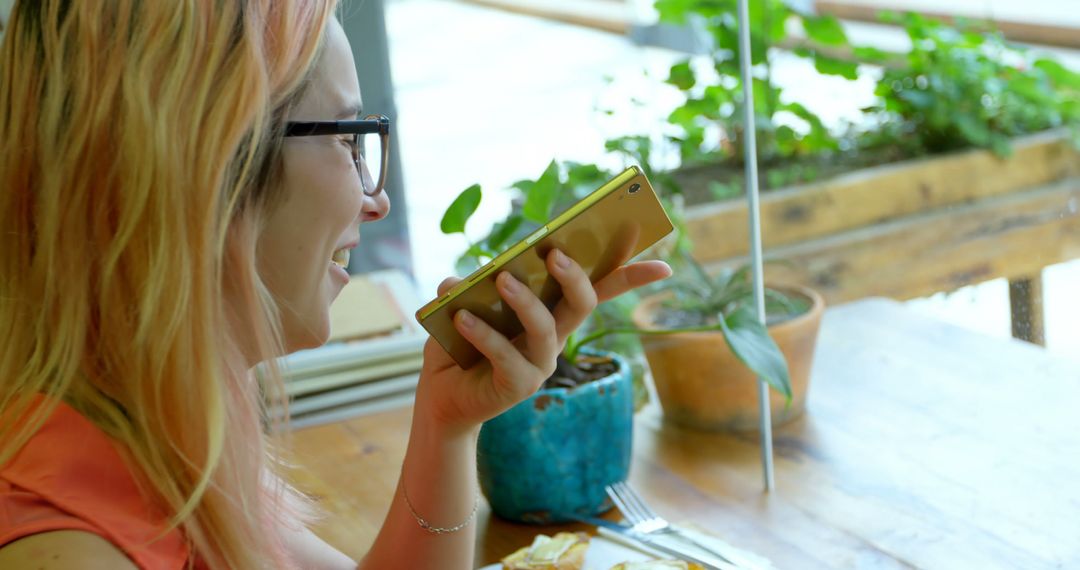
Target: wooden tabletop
{"points": [[924, 446]]}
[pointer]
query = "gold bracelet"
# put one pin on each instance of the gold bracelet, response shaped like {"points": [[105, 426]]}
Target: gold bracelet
{"points": [[437, 529]]}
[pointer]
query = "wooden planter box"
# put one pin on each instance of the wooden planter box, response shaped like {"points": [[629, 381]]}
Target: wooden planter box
{"points": [[913, 228]]}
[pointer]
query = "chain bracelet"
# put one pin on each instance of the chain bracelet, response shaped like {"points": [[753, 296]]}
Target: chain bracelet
{"points": [[437, 529]]}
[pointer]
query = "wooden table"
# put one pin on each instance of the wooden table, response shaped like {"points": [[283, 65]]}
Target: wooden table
{"points": [[924, 446]]}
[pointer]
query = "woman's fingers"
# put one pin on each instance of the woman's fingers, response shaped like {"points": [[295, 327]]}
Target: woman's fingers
{"points": [[629, 277], [579, 297], [541, 344], [503, 355], [545, 330]]}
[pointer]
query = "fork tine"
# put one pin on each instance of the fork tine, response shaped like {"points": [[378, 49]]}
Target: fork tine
{"points": [[632, 496], [629, 507], [616, 497], [638, 513], [615, 492]]}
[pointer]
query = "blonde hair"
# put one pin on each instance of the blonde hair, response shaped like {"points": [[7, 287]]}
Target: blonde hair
{"points": [[136, 142]]}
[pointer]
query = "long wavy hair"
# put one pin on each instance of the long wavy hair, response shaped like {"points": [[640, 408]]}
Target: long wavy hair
{"points": [[138, 142]]}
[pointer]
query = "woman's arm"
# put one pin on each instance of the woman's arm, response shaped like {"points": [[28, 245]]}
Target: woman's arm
{"points": [[439, 471], [438, 481], [445, 468], [440, 463]]}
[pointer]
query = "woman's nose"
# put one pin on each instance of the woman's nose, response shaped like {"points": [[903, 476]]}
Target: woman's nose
{"points": [[375, 207]]}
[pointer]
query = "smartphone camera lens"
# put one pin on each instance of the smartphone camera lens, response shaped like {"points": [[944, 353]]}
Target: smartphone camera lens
{"points": [[634, 188]]}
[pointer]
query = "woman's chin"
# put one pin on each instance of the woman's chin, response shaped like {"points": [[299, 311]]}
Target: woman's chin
{"points": [[314, 335]]}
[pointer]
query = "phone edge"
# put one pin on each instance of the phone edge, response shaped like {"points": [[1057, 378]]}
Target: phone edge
{"points": [[524, 244]]}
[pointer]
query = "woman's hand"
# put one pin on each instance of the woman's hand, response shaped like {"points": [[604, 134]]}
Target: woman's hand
{"points": [[459, 400]]}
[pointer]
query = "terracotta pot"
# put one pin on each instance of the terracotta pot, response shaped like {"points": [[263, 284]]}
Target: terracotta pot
{"points": [[702, 385]]}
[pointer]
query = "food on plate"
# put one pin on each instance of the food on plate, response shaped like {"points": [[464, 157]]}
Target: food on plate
{"points": [[658, 565], [564, 551]]}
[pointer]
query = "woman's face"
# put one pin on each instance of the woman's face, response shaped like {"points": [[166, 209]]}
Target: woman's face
{"points": [[321, 206]]}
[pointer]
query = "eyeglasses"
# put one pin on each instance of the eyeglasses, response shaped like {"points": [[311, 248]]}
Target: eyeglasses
{"points": [[370, 135]]}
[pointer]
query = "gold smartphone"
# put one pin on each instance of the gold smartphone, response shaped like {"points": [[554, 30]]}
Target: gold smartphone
{"points": [[601, 232]]}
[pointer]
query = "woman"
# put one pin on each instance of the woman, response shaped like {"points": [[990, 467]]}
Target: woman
{"points": [[162, 236]]}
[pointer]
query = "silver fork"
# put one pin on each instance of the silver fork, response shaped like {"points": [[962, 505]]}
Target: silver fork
{"points": [[643, 519]]}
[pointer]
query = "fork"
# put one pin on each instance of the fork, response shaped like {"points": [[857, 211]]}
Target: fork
{"points": [[643, 519]]}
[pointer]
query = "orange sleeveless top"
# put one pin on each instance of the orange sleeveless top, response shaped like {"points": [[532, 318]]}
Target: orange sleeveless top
{"points": [[71, 476]]}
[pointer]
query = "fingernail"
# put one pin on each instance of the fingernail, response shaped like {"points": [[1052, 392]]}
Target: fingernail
{"points": [[510, 284], [466, 318], [561, 260]]}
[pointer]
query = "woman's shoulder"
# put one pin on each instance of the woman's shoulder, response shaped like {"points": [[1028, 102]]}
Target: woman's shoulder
{"points": [[70, 480], [64, 550]]}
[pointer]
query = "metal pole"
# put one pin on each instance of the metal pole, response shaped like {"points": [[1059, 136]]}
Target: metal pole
{"points": [[750, 153]]}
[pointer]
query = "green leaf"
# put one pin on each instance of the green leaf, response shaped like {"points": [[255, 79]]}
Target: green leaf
{"points": [[723, 190], [824, 30], [460, 210], [805, 114], [749, 340], [918, 99], [682, 76], [540, 197], [763, 97], [775, 178], [584, 178], [637, 148], [871, 54], [1058, 73], [777, 303], [973, 129], [831, 66], [674, 11], [1001, 145], [890, 17], [466, 264], [523, 186], [473, 258], [503, 231]]}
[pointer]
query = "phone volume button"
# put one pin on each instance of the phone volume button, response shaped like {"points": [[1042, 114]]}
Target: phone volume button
{"points": [[536, 235]]}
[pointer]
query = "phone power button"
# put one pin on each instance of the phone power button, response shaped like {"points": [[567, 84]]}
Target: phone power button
{"points": [[536, 235]]}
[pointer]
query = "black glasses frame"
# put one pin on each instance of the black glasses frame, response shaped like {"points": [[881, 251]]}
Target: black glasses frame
{"points": [[370, 124]]}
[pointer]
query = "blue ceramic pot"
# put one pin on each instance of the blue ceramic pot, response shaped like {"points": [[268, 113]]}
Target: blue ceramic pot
{"points": [[553, 454]]}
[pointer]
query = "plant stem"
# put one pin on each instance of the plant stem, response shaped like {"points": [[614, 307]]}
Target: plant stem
{"points": [[651, 332]]}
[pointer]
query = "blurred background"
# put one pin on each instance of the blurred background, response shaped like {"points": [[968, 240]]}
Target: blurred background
{"points": [[920, 151], [490, 91]]}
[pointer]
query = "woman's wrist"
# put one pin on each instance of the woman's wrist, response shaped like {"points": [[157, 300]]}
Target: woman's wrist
{"points": [[423, 522], [430, 430], [440, 463], [433, 420]]}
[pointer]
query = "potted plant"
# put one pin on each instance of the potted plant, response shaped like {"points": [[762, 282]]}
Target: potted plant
{"points": [[585, 409], [706, 348]]}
